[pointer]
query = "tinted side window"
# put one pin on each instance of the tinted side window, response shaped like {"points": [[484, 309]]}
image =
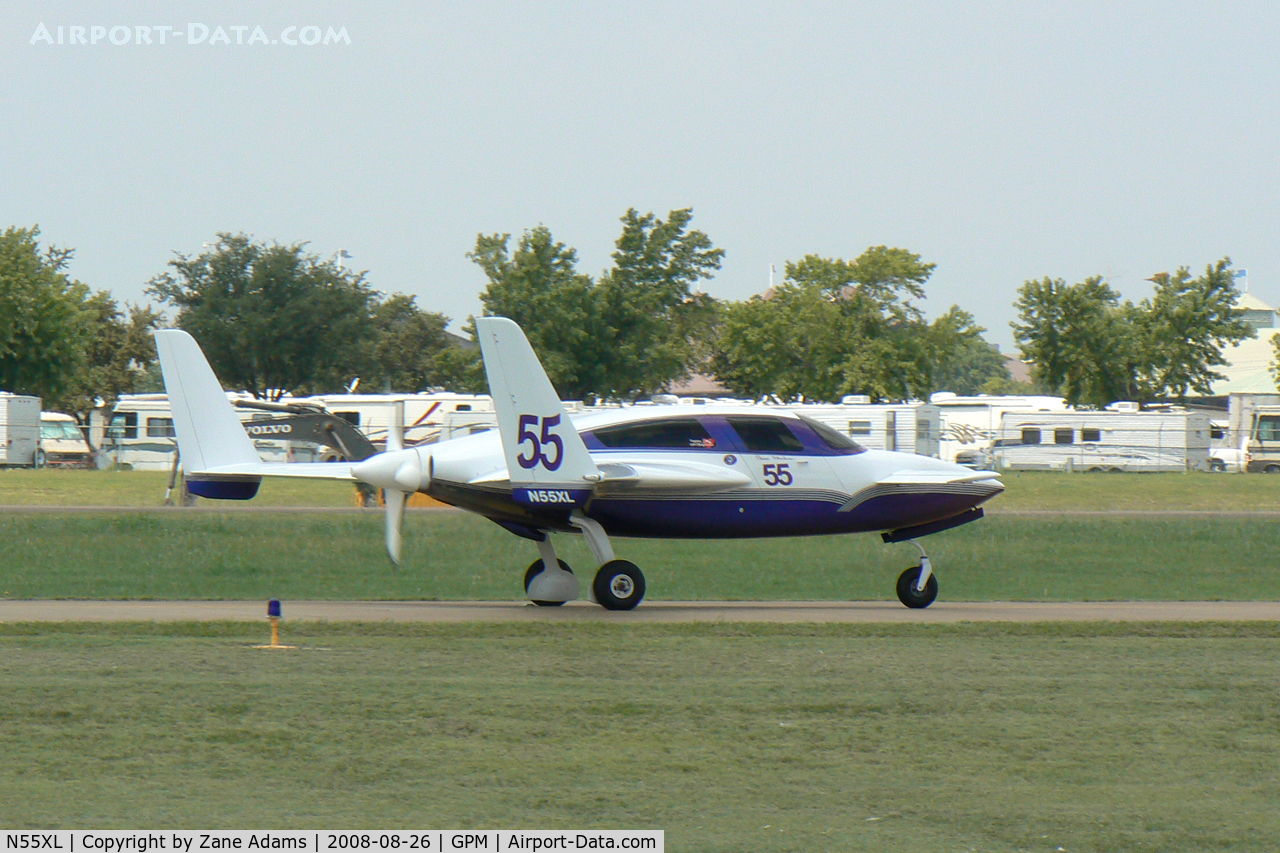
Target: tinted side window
{"points": [[674, 434], [765, 435], [160, 428], [1031, 436], [1269, 428], [124, 425], [1064, 436], [859, 427], [1090, 435]]}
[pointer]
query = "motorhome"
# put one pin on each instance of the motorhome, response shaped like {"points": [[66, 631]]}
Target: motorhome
{"points": [[19, 430], [62, 443], [970, 424], [1262, 441], [1102, 441]]}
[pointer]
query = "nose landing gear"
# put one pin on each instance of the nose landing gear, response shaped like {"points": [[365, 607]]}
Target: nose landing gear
{"points": [[917, 586]]}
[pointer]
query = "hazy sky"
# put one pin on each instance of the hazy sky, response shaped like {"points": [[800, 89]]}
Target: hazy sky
{"points": [[1001, 141]]}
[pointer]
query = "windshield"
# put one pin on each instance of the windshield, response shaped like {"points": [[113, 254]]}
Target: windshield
{"points": [[59, 431], [832, 437]]}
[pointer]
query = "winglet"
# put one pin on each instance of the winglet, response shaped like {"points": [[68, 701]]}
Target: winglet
{"points": [[209, 433], [540, 444]]}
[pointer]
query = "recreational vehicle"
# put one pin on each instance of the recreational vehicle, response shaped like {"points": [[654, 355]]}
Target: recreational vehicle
{"points": [[1262, 446], [902, 427], [424, 414], [62, 443], [970, 424], [139, 434], [1102, 441], [19, 430]]}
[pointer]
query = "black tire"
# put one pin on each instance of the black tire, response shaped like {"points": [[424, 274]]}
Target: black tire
{"points": [[1271, 468], [1217, 466], [907, 589], [533, 571], [619, 585]]}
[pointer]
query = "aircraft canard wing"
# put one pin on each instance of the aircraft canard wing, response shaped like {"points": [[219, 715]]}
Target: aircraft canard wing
{"points": [[540, 444]]}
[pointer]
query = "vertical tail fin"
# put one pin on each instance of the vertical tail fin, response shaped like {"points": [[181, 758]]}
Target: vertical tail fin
{"points": [[541, 446], [209, 432]]}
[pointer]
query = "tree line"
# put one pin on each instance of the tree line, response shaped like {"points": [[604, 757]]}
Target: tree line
{"points": [[276, 318]]}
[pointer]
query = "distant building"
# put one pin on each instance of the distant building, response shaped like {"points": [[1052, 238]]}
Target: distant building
{"points": [[699, 385], [1019, 370], [1248, 368]]}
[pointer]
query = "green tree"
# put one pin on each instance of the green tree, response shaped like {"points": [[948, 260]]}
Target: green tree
{"points": [[958, 359], [654, 317], [272, 318], [1079, 339], [636, 330], [1094, 349], [1184, 326], [538, 286], [118, 351], [42, 316], [408, 344], [835, 327]]}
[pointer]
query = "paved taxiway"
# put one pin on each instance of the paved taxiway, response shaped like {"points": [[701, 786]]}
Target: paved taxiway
{"points": [[655, 611]]}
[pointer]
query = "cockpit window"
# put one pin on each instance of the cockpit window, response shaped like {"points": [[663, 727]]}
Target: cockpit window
{"points": [[765, 434], [672, 434], [833, 438]]}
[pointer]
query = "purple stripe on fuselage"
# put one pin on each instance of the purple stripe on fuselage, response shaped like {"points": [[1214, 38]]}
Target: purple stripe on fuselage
{"points": [[728, 519]]}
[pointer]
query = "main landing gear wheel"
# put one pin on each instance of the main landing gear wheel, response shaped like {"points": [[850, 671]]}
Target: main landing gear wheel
{"points": [[619, 585], [907, 593], [536, 569]]}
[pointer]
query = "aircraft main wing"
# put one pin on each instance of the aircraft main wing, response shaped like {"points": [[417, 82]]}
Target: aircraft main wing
{"points": [[628, 477], [650, 476], [312, 470]]}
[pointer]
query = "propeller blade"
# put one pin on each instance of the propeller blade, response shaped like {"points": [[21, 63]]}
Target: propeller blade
{"points": [[395, 434], [395, 523]]}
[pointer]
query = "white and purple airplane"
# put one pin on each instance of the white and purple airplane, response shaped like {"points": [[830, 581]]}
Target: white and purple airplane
{"points": [[640, 471]]}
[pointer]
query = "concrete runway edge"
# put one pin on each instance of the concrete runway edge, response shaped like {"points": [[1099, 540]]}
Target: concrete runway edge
{"points": [[13, 611]]}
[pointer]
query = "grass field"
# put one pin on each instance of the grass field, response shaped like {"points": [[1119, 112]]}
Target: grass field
{"points": [[50, 487], [805, 738], [1027, 490], [452, 555]]}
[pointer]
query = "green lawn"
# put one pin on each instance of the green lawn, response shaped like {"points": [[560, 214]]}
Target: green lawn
{"points": [[1026, 490], [730, 738], [459, 556], [51, 487]]}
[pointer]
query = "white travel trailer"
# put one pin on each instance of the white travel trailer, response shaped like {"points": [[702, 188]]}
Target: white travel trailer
{"points": [[139, 434], [970, 424], [19, 430], [902, 427], [424, 414], [1103, 441]]}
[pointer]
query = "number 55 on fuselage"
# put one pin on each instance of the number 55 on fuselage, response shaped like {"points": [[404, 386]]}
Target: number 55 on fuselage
{"points": [[637, 471]]}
